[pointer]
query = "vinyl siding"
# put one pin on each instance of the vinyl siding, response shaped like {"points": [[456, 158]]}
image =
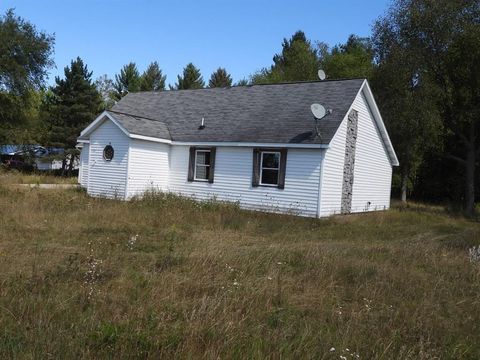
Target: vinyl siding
{"points": [[233, 178], [373, 170], [140, 165], [83, 168], [108, 178], [332, 177], [148, 167]]}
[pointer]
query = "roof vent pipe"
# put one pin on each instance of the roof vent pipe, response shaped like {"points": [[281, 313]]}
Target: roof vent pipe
{"points": [[202, 126]]}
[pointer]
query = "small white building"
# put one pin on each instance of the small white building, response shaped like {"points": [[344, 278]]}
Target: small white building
{"points": [[259, 146]]}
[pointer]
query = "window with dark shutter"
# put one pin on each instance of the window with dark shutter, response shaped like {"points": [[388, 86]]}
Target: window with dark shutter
{"points": [[201, 166], [211, 175], [269, 167], [191, 164], [256, 168], [283, 168]]}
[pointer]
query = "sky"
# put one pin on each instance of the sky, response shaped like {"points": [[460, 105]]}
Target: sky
{"points": [[241, 35]]}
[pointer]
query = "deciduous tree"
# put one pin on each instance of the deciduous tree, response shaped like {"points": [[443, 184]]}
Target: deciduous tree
{"points": [[463, 108], [408, 100], [354, 59], [439, 40], [25, 57], [106, 90]]}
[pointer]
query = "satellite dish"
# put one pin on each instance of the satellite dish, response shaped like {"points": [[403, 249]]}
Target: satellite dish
{"points": [[318, 111], [321, 75]]}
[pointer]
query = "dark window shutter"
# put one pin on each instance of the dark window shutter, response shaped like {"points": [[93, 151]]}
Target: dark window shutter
{"points": [[191, 164], [256, 168], [283, 168], [211, 175]]}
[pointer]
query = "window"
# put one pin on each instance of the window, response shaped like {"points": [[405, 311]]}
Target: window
{"points": [[108, 153], [202, 165], [269, 168]]}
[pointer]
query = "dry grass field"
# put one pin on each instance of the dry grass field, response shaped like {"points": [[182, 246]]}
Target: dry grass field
{"points": [[16, 177], [166, 277]]}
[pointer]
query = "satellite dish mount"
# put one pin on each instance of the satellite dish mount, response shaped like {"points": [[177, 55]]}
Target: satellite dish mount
{"points": [[319, 112]]}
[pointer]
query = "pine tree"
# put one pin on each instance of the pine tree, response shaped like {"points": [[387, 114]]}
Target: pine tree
{"points": [[153, 79], [242, 82], [220, 78], [127, 81], [191, 79], [350, 60], [72, 104], [298, 61]]}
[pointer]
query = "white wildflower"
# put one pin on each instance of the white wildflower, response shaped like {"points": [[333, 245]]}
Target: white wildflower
{"points": [[332, 349], [474, 254], [367, 304], [230, 268], [131, 242], [92, 275]]}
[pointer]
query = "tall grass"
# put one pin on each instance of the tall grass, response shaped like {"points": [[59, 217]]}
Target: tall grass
{"points": [[172, 277], [39, 177]]}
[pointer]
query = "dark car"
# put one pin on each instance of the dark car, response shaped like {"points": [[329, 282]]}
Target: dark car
{"points": [[18, 165]]}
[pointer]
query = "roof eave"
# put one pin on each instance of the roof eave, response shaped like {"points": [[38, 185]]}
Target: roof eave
{"points": [[379, 120], [95, 123]]}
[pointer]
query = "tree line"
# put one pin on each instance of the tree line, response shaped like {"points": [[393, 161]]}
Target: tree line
{"points": [[421, 61]]}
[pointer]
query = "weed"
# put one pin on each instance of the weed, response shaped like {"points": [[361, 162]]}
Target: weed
{"points": [[93, 273], [214, 281], [474, 254], [132, 241]]}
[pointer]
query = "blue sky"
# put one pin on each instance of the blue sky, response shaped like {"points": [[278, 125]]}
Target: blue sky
{"points": [[241, 36]]}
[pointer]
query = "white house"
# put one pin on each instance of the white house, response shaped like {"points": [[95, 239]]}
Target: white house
{"points": [[257, 145]]}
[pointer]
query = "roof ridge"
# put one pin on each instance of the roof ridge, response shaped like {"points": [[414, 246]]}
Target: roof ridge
{"points": [[251, 85], [307, 81], [136, 116]]}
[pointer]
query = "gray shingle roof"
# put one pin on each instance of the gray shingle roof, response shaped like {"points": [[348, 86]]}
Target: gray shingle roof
{"points": [[277, 113], [142, 126]]}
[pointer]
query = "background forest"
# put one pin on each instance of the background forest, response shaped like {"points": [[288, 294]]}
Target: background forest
{"points": [[421, 60]]}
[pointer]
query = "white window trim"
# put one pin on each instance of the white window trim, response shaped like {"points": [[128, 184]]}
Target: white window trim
{"points": [[195, 164], [278, 169]]}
